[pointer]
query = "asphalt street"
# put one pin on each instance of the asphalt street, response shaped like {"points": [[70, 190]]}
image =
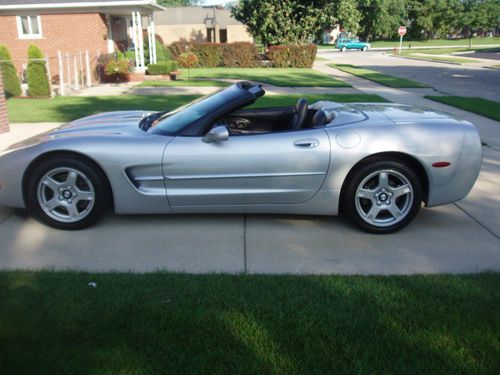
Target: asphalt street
{"points": [[445, 78]]}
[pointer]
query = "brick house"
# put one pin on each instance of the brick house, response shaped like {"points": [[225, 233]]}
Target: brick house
{"points": [[72, 26]]}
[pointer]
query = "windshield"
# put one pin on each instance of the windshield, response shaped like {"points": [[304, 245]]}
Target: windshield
{"points": [[171, 122]]}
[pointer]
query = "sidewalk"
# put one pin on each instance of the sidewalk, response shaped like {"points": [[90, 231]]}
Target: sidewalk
{"points": [[19, 132]]}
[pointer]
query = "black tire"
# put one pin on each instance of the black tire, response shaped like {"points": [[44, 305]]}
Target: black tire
{"points": [[364, 49], [94, 181], [358, 208], [343, 49]]}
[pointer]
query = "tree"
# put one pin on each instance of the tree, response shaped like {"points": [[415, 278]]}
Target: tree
{"points": [[11, 84], [381, 18], [274, 22], [346, 13], [36, 75]]}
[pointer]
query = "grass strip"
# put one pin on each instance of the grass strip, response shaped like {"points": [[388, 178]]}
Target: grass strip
{"points": [[54, 323], [186, 83], [381, 78], [67, 108], [481, 106], [282, 77]]}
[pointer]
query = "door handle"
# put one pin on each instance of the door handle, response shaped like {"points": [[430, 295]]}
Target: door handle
{"points": [[306, 143]]}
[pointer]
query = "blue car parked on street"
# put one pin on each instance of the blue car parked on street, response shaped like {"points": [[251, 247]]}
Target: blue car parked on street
{"points": [[344, 44]]}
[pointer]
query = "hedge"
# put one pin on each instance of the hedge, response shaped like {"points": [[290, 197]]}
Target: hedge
{"points": [[292, 56], [11, 84], [240, 55], [211, 55], [164, 67], [36, 75]]}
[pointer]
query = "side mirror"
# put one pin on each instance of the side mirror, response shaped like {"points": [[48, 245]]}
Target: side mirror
{"points": [[217, 134]]}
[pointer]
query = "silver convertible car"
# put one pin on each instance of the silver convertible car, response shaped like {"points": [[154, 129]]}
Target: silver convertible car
{"points": [[376, 163]]}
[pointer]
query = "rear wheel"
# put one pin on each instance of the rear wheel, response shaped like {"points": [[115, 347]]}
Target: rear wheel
{"points": [[66, 193], [383, 196]]}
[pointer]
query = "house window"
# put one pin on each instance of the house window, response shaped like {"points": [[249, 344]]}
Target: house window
{"points": [[29, 27]]}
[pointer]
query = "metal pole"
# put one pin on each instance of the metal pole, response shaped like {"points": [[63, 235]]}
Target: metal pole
{"points": [[47, 66], [68, 71], [400, 43], [87, 68], [75, 72], [61, 71], [81, 68], [141, 41], [150, 46], [153, 33], [134, 39]]}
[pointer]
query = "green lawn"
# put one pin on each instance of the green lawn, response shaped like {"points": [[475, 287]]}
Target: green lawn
{"points": [[288, 77], [483, 107], [381, 78], [185, 82], [445, 51], [430, 43], [67, 108], [161, 323], [457, 60]]}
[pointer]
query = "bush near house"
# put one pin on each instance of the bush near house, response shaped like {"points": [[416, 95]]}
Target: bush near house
{"points": [[292, 56], [209, 54], [162, 68], [177, 48], [240, 55], [213, 55], [36, 75], [11, 84], [162, 53]]}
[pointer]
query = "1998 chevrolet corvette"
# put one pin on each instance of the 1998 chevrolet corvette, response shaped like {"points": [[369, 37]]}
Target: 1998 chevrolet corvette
{"points": [[376, 163]]}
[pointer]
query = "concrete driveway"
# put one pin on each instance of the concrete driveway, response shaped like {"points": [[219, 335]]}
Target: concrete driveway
{"points": [[457, 238]]}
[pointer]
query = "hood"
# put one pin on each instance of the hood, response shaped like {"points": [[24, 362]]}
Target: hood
{"points": [[104, 124]]}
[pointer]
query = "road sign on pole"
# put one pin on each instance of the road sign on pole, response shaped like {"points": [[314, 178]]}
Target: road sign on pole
{"points": [[401, 32]]}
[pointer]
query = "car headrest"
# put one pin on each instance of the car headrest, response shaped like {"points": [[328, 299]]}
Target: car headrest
{"points": [[319, 119]]}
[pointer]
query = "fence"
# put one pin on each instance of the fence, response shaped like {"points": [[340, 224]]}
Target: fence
{"points": [[67, 73]]}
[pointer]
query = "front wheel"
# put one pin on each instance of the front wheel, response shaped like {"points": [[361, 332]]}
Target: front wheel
{"points": [[364, 49], [343, 49], [383, 196], [66, 193]]}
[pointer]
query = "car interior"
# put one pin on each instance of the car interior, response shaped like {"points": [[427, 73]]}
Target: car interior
{"points": [[266, 120]]}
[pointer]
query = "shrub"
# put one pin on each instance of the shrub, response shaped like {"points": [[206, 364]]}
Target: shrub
{"points": [[209, 54], [11, 84], [187, 60], [118, 67], [295, 56], [36, 75], [240, 55], [163, 67], [162, 53], [178, 48]]}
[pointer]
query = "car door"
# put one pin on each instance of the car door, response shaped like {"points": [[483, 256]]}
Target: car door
{"points": [[272, 168]]}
